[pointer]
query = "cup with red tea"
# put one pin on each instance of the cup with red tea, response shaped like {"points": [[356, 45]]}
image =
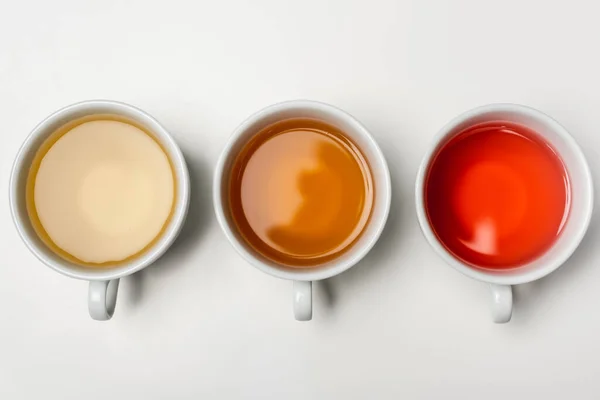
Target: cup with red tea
{"points": [[504, 195]]}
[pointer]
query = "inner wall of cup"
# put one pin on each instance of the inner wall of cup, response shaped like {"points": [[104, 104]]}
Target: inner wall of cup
{"points": [[38, 137], [365, 143], [563, 144]]}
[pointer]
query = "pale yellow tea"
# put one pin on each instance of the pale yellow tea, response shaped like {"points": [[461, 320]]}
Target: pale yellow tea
{"points": [[100, 191]]}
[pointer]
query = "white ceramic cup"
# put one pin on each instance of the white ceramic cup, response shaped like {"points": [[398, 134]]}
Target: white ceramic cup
{"points": [[582, 193], [302, 277], [104, 282]]}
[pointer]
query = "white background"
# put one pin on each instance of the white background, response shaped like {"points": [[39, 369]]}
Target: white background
{"points": [[202, 323]]}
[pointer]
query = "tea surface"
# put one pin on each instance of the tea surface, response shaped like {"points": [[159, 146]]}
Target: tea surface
{"points": [[100, 191], [497, 195], [300, 192]]}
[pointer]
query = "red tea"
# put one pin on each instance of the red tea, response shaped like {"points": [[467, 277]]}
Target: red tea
{"points": [[497, 195]]}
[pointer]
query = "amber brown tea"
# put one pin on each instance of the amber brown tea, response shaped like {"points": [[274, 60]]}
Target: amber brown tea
{"points": [[300, 192]]}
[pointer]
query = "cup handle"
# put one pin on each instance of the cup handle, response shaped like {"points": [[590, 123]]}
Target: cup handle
{"points": [[502, 303], [303, 300], [102, 299]]}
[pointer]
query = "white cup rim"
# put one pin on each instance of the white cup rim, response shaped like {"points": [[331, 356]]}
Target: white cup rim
{"points": [[181, 201], [300, 274], [480, 274]]}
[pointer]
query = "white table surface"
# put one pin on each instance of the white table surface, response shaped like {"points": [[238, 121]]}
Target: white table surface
{"points": [[202, 323]]}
